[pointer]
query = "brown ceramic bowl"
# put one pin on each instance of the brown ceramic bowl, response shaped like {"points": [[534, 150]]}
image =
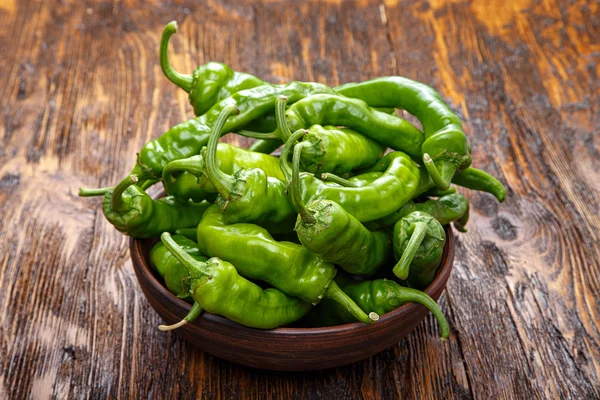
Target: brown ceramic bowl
{"points": [[286, 349]]}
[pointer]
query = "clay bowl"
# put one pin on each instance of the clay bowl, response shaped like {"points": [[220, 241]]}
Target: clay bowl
{"points": [[286, 349]]}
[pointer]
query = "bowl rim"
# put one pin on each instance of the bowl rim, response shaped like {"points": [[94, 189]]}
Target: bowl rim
{"points": [[436, 286]]}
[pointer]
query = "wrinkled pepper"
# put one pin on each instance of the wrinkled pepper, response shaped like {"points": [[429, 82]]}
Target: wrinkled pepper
{"points": [[381, 295], [249, 195], [396, 185], [175, 274], [217, 288], [445, 149], [209, 83], [418, 246], [327, 230], [134, 213], [287, 266]]}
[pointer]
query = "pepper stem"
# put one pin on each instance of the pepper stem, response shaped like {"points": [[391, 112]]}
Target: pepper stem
{"points": [[442, 182], [194, 267], [307, 215], [83, 192], [181, 80], [258, 135], [117, 195], [337, 179], [193, 165], [401, 269], [410, 295], [222, 181], [285, 153], [336, 294], [282, 124], [192, 315]]}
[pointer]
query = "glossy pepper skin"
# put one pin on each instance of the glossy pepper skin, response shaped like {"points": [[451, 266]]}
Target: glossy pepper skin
{"points": [[287, 266], [186, 179], [390, 191], [338, 150], [418, 245], [446, 149], [382, 295], [331, 109], [217, 287], [209, 83], [175, 274], [188, 138], [134, 213], [329, 148], [249, 195], [450, 208], [327, 230], [476, 179]]}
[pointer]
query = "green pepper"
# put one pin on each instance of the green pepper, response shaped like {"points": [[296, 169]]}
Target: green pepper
{"points": [[390, 191], [446, 209], [331, 109], [418, 245], [327, 230], [249, 195], [175, 274], [476, 179], [188, 138], [217, 288], [133, 212], [331, 149], [186, 178], [381, 295], [209, 83], [446, 149], [338, 150], [287, 266]]}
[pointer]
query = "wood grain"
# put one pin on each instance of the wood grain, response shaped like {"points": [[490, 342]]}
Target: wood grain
{"points": [[81, 91]]}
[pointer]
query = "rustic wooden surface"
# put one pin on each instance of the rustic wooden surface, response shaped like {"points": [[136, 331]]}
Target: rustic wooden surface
{"points": [[81, 91]]}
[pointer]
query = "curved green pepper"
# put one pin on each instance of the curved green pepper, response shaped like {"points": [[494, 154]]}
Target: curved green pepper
{"points": [[446, 149], [381, 295], [418, 245], [451, 208], [338, 150], [289, 267], [249, 195], [331, 149], [209, 83], [133, 212], [476, 179], [188, 138], [327, 230], [175, 274], [186, 178], [331, 109], [390, 191], [217, 287]]}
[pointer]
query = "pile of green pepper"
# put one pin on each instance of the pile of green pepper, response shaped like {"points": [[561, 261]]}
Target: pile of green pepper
{"points": [[356, 193]]}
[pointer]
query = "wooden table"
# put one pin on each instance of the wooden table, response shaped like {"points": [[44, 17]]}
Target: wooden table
{"points": [[81, 91]]}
